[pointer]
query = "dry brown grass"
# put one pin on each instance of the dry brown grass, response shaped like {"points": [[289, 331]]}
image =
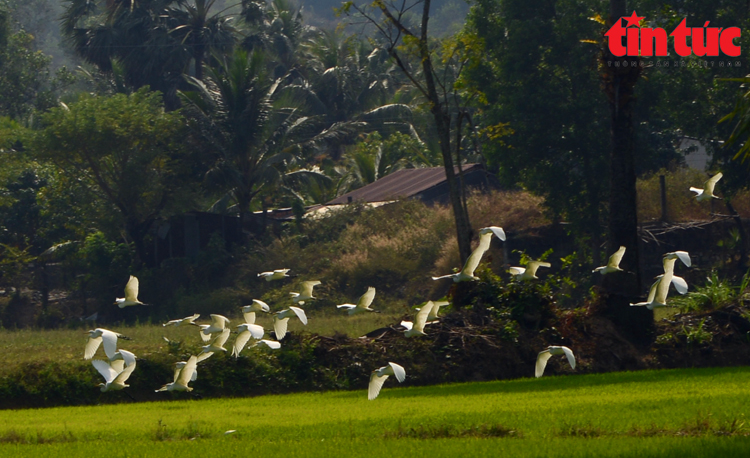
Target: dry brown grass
{"points": [[512, 210]]}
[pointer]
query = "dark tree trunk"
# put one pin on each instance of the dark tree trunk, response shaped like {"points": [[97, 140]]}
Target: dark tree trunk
{"points": [[619, 79]]}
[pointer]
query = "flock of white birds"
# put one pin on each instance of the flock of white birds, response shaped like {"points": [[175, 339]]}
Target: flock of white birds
{"points": [[120, 364]]}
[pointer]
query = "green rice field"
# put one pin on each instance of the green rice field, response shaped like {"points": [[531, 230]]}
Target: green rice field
{"points": [[680, 413]]}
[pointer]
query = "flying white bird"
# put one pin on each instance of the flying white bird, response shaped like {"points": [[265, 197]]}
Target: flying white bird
{"points": [[98, 336], [306, 292], [467, 273], [178, 366], [246, 332], [669, 262], [657, 295], [277, 274], [218, 323], [528, 273], [272, 344], [187, 321], [363, 303], [497, 231], [417, 328], [217, 344], [281, 320], [433, 316], [182, 377], [707, 193], [379, 376], [131, 294], [248, 311], [122, 359], [613, 265], [544, 356], [114, 375]]}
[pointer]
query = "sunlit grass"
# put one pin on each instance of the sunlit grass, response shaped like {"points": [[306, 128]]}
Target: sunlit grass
{"points": [[696, 412], [39, 346]]}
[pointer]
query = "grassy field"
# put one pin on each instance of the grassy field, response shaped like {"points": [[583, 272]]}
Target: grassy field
{"points": [[698, 412], [39, 346]]}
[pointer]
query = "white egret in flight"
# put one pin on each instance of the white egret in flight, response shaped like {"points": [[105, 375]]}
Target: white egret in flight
{"points": [[277, 274], [545, 355], [131, 294], [707, 193], [114, 375], [379, 376], [187, 321], [217, 344], [363, 303], [529, 272], [613, 265], [306, 292], [281, 320], [182, 377], [248, 311], [472, 262], [218, 323], [98, 336], [420, 320]]}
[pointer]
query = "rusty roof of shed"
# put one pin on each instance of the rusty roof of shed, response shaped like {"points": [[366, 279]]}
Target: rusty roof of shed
{"points": [[402, 183]]}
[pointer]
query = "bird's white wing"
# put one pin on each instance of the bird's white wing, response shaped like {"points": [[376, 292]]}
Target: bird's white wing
{"points": [[177, 371], [684, 256], [421, 318], [443, 276], [652, 291], [256, 330], [571, 358], [131, 289], [680, 284], [222, 338], [541, 362], [516, 270], [662, 290], [123, 376], [711, 183], [249, 317], [127, 357], [300, 314], [279, 327], [473, 260], [91, 346], [271, 344], [109, 342], [498, 231], [614, 260], [407, 324], [117, 365], [219, 321], [187, 372], [239, 343], [697, 191], [366, 299], [307, 287], [105, 369], [376, 383], [532, 266], [398, 371], [262, 305], [205, 337], [204, 355], [346, 306]]}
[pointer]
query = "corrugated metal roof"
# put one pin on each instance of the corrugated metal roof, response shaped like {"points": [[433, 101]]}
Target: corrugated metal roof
{"points": [[402, 183]]}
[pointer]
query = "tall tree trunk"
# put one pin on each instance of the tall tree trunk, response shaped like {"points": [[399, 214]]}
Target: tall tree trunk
{"points": [[619, 77]]}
